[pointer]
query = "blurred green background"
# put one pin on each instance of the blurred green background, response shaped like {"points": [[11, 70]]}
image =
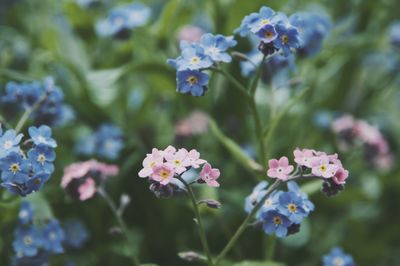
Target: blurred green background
{"points": [[129, 83]]}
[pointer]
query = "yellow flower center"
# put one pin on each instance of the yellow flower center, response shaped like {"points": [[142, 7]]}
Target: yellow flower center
{"points": [[265, 22], [14, 168], [177, 162], [195, 60], [152, 164], [323, 168], [192, 80], [41, 158], [28, 240], [285, 39], [164, 174], [268, 34], [277, 220], [338, 261], [292, 207], [37, 181]]}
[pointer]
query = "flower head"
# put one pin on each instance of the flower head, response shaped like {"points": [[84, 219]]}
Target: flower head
{"points": [[25, 213], [42, 158], [14, 168], [42, 135], [163, 173], [279, 168], [275, 223], [27, 240], [9, 142], [215, 46], [288, 38], [53, 236], [192, 81], [210, 175], [76, 233], [337, 257], [291, 205]]}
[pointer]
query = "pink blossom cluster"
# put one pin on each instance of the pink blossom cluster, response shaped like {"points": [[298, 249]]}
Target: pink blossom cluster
{"points": [[196, 123], [163, 165], [80, 178], [352, 131], [323, 165]]}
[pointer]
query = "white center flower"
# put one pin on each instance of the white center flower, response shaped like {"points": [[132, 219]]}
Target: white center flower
{"points": [[8, 144]]}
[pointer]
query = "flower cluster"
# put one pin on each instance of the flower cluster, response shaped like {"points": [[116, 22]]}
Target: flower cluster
{"points": [[50, 98], [162, 167], [196, 57], [337, 257], [122, 20], [351, 132], [319, 164], [107, 142], [33, 244], [80, 179], [274, 29], [25, 171], [282, 212]]}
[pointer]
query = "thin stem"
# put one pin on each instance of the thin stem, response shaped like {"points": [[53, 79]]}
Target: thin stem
{"points": [[246, 221], [102, 192], [271, 247], [28, 113], [202, 234], [253, 86]]}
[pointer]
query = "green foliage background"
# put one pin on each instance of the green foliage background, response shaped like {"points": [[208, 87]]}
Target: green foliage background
{"points": [[130, 84]]}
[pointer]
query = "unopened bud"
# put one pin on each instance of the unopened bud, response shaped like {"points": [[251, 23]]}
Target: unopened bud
{"points": [[211, 203]]}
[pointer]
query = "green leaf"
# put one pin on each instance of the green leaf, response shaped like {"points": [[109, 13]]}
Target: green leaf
{"points": [[234, 148], [103, 89]]}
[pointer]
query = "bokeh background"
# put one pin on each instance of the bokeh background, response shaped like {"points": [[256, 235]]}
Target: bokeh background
{"points": [[128, 83]]}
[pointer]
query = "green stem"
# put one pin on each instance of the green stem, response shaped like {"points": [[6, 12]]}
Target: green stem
{"points": [[198, 221], [28, 113], [253, 86], [246, 221], [102, 192], [271, 247], [257, 122]]}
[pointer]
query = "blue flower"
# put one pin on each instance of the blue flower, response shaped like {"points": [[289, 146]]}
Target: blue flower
{"points": [[25, 213], [266, 16], [53, 236], [40, 259], [42, 135], [192, 81], [275, 222], [288, 38], [216, 45], [255, 196], [86, 145], [394, 33], [337, 257], [313, 27], [14, 93], [193, 58], [244, 28], [267, 33], [76, 233], [271, 203], [109, 141], [42, 157], [138, 15], [307, 205], [27, 241], [33, 184], [291, 206], [14, 168], [9, 142]]}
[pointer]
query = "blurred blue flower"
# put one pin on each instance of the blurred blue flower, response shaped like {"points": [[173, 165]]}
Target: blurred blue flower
{"points": [[87, 3], [27, 241], [291, 205], [248, 67], [42, 157], [244, 28], [323, 119], [337, 257], [14, 168], [275, 223], [192, 81], [53, 236], [192, 58], [40, 259], [25, 213], [122, 20], [258, 192], [9, 142], [215, 46], [394, 34], [42, 135], [76, 233], [313, 28]]}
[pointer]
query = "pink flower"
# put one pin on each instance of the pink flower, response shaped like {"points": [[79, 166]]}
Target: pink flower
{"points": [[169, 150], [194, 124], [340, 176], [343, 123], [193, 159], [190, 33], [163, 173], [210, 175], [304, 157], [178, 160], [279, 169], [321, 166], [152, 160], [78, 178], [87, 189]]}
